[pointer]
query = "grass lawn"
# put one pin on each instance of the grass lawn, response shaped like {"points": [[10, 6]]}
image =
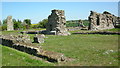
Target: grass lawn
{"points": [[0, 55], [12, 57], [114, 30], [97, 50], [87, 50]]}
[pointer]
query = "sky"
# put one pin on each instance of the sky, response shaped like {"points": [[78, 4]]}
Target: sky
{"points": [[37, 11]]}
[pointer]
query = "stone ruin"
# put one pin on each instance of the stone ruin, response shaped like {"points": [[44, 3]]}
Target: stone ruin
{"points": [[23, 43], [9, 23], [57, 23], [101, 21], [39, 38], [81, 23]]}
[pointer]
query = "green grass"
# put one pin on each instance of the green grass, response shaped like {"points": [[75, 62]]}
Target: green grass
{"points": [[87, 50], [114, 30], [12, 57], [0, 55], [16, 31]]}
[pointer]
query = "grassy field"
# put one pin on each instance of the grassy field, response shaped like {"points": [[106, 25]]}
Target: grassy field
{"points": [[114, 30], [12, 57], [87, 50]]}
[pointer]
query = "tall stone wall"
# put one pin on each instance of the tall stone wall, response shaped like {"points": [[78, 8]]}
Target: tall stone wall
{"points": [[57, 23], [101, 21], [9, 23]]}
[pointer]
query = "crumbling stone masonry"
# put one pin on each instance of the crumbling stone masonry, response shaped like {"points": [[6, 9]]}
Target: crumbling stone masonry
{"points": [[39, 38], [101, 21], [22, 43], [9, 23], [57, 23]]}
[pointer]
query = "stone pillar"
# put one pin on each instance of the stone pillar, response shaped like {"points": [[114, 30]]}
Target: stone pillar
{"points": [[57, 23], [9, 23]]}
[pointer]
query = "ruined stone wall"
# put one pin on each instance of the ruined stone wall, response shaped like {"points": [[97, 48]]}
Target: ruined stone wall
{"points": [[20, 42], [101, 21], [9, 23], [57, 22]]}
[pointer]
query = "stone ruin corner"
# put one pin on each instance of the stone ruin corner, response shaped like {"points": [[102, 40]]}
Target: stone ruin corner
{"points": [[57, 23], [102, 21]]}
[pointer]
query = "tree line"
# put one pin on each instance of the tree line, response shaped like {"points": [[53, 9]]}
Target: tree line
{"points": [[26, 24]]}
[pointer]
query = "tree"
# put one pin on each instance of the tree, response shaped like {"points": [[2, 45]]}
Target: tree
{"points": [[42, 24], [0, 23], [17, 24], [4, 24], [28, 23]]}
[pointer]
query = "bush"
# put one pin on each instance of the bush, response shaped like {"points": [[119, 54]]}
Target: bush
{"points": [[4, 27], [42, 24]]}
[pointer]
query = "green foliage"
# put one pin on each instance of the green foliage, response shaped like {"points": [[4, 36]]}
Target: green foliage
{"points": [[5, 21], [86, 22], [17, 24], [27, 23], [0, 23], [42, 24], [4, 25], [74, 23]]}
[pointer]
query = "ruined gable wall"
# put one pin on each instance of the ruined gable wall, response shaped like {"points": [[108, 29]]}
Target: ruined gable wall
{"points": [[101, 21]]}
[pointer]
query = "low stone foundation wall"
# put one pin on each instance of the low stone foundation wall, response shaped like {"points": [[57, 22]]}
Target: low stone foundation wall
{"points": [[30, 48], [108, 33], [31, 32]]}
